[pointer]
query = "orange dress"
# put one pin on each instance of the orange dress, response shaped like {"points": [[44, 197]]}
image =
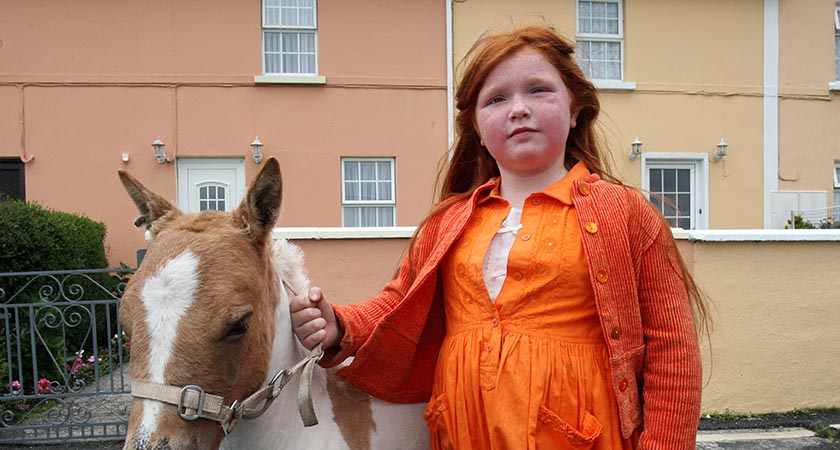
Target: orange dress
{"points": [[530, 371]]}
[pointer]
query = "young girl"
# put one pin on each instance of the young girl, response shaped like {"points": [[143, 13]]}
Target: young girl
{"points": [[539, 306]]}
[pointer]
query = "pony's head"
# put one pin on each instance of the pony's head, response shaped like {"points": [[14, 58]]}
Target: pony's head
{"points": [[200, 309]]}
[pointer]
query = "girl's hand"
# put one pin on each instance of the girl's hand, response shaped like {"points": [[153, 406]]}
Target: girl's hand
{"points": [[314, 321]]}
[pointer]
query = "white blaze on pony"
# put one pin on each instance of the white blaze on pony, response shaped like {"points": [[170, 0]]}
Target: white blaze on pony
{"points": [[207, 308]]}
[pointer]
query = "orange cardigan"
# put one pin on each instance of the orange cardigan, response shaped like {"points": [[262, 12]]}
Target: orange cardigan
{"points": [[642, 304]]}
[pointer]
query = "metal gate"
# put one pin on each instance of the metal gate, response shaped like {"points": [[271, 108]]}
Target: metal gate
{"points": [[64, 360]]}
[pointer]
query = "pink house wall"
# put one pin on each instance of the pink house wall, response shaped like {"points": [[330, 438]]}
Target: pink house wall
{"points": [[82, 83]]}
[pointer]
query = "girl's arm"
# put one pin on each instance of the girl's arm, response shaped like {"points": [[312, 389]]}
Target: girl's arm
{"points": [[672, 369]]}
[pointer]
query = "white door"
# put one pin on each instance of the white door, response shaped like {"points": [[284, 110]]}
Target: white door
{"points": [[677, 185], [210, 183]]}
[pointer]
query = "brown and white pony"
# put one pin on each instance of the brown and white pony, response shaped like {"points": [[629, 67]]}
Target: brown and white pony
{"points": [[207, 308]]}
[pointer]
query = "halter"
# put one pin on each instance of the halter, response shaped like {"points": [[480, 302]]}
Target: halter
{"points": [[193, 403]]}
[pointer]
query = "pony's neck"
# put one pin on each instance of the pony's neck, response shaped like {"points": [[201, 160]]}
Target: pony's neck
{"points": [[286, 351]]}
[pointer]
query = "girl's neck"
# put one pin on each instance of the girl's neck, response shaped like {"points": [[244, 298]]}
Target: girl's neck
{"points": [[516, 188]]}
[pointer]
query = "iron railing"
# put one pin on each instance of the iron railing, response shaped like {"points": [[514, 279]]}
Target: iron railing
{"points": [[63, 356]]}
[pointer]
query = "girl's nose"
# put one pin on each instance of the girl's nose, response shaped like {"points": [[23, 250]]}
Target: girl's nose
{"points": [[519, 108]]}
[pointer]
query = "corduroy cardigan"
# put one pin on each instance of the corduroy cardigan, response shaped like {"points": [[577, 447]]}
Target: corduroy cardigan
{"points": [[643, 307]]}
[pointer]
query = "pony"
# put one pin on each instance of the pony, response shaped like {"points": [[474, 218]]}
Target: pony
{"points": [[207, 313]]}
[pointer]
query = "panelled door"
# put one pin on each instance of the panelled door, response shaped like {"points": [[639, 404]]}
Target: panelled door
{"points": [[210, 183]]}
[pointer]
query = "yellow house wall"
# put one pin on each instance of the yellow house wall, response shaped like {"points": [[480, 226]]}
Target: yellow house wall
{"points": [[698, 70], [774, 311]]}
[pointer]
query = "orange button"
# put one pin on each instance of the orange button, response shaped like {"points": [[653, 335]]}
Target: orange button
{"points": [[584, 189], [622, 385], [536, 201], [526, 237], [615, 333], [549, 243], [601, 276], [494, 322], [592, 227], [488, 347], [517, 276], [469, 299]]}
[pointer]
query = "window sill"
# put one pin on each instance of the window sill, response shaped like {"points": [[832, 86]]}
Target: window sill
{"points": [[834, 85], [290, 79], [614, 85]]}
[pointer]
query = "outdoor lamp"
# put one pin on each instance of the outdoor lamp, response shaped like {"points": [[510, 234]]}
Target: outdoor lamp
{"points": [[256, 149], [721, 151], [635, 149], [160, 153]]}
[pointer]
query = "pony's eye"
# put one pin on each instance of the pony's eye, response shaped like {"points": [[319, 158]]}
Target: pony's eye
{"points": [[238, 329]]}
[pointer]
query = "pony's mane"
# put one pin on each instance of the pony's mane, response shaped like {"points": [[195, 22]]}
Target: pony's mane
{"points": [[288, 259]]}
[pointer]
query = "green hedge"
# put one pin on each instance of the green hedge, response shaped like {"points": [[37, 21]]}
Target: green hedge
{"points": [[33, 238]]}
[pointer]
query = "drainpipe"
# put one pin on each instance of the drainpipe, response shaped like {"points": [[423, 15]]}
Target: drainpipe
{"points": [[450, 82], [771, 106]]}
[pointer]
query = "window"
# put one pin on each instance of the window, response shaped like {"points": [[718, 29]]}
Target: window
{"points": [[677, 185], [290, 32], [836, 184], [367, 193], [12, 183], [600, 39], [211, 196], [837, 43]]}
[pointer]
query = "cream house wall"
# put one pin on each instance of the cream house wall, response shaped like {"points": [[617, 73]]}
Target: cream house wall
{"points": [[697, 67], [82, 83], [809, 138]]}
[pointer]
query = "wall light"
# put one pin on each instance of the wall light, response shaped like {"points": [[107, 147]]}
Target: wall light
{"points": [[256, 150], [635, 149], [160, 153], [721, 151]]}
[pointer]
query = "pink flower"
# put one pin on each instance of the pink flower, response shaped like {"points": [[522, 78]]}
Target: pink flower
{"points": [[16, 385], [91, 359], [44, 386]]}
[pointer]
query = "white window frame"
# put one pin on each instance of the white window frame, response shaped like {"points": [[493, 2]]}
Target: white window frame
{"points": [[699, 163], [606, 83], [289, 77], [836, 174], [377, 203]]}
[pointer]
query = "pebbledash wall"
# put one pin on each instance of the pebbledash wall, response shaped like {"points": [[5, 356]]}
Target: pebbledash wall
{"points": [[775, 303]]}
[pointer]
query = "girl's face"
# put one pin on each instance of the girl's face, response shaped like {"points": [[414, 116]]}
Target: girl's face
{"points": [[523, 116]]}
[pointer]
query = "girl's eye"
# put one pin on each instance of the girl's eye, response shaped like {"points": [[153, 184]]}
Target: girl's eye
{"points": [[496, 100], [538, 89]]}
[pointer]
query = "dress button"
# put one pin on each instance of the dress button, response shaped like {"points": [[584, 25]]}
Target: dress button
{"points": [[517, 276], [536, 201], [526, 237], [622, 385], [488, 347], [469, 299], [592, 227], [550, 243], [615, 333], [583, 189], [494, 322], [601, 276]]}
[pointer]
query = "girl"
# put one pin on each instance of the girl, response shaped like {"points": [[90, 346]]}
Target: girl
{"points": [[542, 304]]}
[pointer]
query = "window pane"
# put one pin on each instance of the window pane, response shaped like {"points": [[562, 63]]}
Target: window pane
{"points": [[202, 205], [367, 170], [599, 70], [290, 64], [289, 17], [368, 191], [307, 42], [384, 169], [837, 57], [351, 216], [290, 42], [669, 178], [221, 205], [669, 208], [684, 223], [307, 17], [684, 204], [656, 201], [656, 180], [384, 191], [386, 216], [368, 217], [351, 191], [585, 9], [613, 71], [351, 170], [683, 180]]}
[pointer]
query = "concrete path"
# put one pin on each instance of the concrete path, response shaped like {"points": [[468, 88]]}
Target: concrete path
{"points": [[774, 439]]}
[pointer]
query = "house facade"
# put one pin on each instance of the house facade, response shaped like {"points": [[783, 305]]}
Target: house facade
{"points": [[689, 81], [350, 97]]}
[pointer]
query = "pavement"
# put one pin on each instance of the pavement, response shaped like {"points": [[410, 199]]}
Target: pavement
{"points": [[764, 439]]}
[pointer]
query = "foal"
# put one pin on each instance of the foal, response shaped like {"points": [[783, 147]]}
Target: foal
{"points": [[209, 307]]}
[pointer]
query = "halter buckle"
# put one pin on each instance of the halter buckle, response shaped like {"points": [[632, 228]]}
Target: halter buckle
{"points": [[182, 408]]}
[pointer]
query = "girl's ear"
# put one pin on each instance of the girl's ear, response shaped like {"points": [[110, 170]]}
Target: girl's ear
{"points": [[573, 122]]}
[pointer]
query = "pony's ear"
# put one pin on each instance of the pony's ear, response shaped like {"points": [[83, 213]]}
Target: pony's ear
{"points": [[154, 209], [260, 208]]}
